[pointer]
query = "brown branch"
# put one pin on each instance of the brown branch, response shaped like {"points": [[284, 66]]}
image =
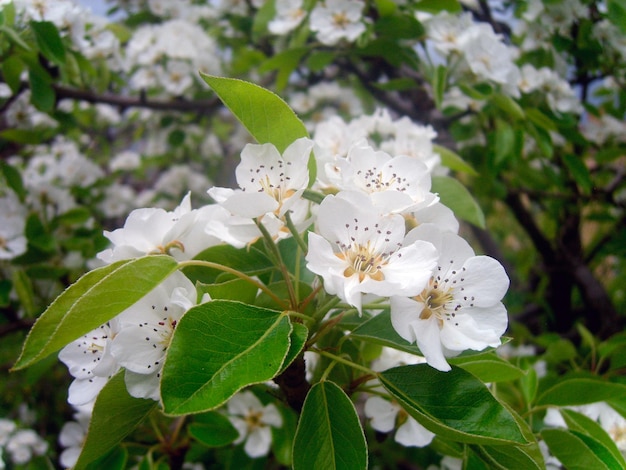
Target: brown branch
{"points": [[125, 102]]}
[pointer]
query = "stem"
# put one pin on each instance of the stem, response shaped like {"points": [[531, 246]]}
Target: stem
{"points": [[294, 232], [346, 362], [239, 274], [299, 315], [271, 246], [324, 309]]}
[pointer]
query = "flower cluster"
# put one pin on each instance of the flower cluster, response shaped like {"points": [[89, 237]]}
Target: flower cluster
{"points": [[20, 444]]}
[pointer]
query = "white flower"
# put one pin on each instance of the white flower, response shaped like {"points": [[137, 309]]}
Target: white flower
{"points": [[146, 330], [90, 362], [395, 184], [13, 216], [153, 230], [124, 161], [24, 444], [253, 421], [289, 14], [270, 185], [269, 182], [460, 307], [7, 426], [360, 252], [72, 436], [384, 414], [334, 20]]}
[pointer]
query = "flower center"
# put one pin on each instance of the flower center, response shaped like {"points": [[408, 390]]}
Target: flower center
{"points": [[253, 420], [341, 20], [363, 262], [435, 301]]}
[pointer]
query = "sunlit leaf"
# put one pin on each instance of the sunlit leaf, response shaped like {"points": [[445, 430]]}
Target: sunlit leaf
{"points": [[218, 348], [93, 300]]}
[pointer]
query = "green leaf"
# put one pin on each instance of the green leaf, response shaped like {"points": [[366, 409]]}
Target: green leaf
{"points": [[439, 84], [250, 261], [329, 434], [93, 300], [569, 392], [386, 7], [234, 289], [14, 179], [319, 60], [379, 330], [454, 404], [42, 95], [399, 27], [577, 451], [266, 116], [504, 142], [24, 289], [582, 424], [617, 13], [579, 171], [509, 457], [509, 106], [299, 335], [13, 36], [114, 460], [488, 367], [540, 119], [218, 348], [285, 62], [49, 41], [456, 196], [115, 415], [213, 429], [436, 6], [452, 160], [12, 68]]}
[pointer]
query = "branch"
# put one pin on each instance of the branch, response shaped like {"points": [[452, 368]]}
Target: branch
{"points": [[124, 102]]}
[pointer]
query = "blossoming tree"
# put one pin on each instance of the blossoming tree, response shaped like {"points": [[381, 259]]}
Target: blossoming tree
{"points": [[313, 234]]}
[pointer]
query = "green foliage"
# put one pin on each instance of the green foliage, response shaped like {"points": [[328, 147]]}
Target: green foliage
{"points": [[210, 346], [116, 414], [329, 434], [266, 116], [97, 297], [466, 412]]}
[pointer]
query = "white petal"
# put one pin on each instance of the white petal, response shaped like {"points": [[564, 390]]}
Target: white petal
{"points": [[258, 442], [139, 349], [82, 391], [143, 385], [271, 416], [382, 413], [475, 328], [249, 204], [405, 311], [485, 279], [413, 434], [427, 338], [242, 402]]}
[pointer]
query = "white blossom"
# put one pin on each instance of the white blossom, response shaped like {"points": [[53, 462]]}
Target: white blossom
{"points": [[334, 20], [253, 421], [153, 230], [90, 362], [358, 251], [289, 14], [146, 330], [460, 308]]}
